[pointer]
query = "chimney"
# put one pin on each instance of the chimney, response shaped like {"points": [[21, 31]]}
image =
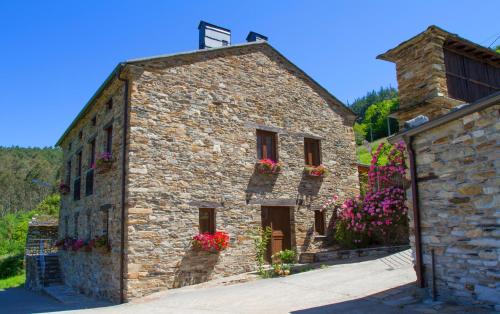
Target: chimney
{"points": [[253, 36], [213, 36]]}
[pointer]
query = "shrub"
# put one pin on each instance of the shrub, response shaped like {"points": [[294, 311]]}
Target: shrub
{"points": [[261, 237], [12, 265]]}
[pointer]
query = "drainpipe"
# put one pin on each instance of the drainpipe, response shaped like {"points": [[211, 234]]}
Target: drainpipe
{"points": [[416, 213], [123, 199]]}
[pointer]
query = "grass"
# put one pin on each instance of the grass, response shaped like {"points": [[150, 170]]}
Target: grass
{"points": [[364, 156], [12, 282]]}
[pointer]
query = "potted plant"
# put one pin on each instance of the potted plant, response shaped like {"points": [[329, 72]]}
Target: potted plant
{"points": [[282, 262], [103, 162], [63, 188], [315, 171], [101, 244], [269, 167], [209, 242]]}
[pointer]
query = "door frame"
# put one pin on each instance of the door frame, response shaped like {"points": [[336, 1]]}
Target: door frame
{"points": [[266, 219]]}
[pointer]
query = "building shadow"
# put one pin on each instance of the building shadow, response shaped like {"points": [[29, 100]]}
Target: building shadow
{"points": [[195, 267], [260, 184], [20, 300], [375, 303], [309, 186]]}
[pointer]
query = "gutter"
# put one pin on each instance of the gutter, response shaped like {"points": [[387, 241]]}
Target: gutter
{"points": [[123, 197], [419, 268]]}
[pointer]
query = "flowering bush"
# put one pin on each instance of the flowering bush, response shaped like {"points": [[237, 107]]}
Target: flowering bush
{"points": [[63, 188], [72, 244], [218, 241], [268, 166], [316, 171], [103, 158], [381, 216]]}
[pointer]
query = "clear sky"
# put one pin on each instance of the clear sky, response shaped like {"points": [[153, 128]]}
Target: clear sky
{"points": [[55, 54]]}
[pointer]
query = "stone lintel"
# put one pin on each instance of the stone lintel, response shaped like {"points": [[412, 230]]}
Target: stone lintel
{"points": [[253, 125], [274, 202], [205, 204]]}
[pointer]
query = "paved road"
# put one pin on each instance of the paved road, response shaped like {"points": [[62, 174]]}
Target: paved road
{"points": [[336, 289]]}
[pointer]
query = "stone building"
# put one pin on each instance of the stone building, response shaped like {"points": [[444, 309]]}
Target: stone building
{"points": [[438, 70], [185, 132], [454, 163]]}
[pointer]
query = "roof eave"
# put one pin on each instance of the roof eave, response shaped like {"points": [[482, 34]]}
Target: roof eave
{"points": [[91, 100], [478, 105]]}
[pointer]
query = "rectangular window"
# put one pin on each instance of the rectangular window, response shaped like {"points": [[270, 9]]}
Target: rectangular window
{"points": [[68, 173], [319, 222], [92, 154], [207, 220], [94, 121], [109, 104], [89, 182], [89, 224], [109, 139], [312, 152], [105, 222], [79, 164], [266, 145], [66, 226], [80, 134]]}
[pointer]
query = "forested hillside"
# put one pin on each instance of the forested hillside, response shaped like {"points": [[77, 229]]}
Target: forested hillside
{"points": [[373, 110], [27, 176]]}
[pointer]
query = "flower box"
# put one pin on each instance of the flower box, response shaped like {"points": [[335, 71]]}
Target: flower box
{"points": [[104, 162], [63, 188], [269, 167], [209, 242], [315, 171]]}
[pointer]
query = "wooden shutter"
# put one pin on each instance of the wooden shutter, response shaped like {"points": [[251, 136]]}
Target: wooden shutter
{"points": [[312, 152], [266, 145], [207, 220], [319, 222]]}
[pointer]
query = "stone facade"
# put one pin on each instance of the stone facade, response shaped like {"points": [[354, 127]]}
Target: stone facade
{"points": [[192, 143], [94, 273], [458, 167]]}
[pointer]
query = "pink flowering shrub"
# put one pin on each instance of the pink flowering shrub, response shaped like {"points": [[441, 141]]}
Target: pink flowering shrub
{"points": [[381, 215]]}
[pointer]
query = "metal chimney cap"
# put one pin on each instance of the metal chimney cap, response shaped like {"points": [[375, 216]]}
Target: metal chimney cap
{"points": [[253, 36], [204, 24]]}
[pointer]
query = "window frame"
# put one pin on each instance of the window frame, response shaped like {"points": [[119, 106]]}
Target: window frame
{"points": [[320, 222], [262, 147], [109, 139], [312, 151], [211, 227]]}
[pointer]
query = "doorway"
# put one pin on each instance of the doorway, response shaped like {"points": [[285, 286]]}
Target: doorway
{"points": [[278, 218]]}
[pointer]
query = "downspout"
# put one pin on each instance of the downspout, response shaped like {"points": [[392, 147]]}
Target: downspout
{"points": [[416, 212], [123, 198]]}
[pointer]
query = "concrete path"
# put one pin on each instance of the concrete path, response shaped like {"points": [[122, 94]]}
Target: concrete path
{"points": [[343, 288]]}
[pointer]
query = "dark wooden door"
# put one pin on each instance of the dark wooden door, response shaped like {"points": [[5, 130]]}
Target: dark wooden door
{"points": [[278, 218]]}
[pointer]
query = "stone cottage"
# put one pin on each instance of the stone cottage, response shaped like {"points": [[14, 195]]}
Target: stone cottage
{"points": [[454, 162], [176, 139]]}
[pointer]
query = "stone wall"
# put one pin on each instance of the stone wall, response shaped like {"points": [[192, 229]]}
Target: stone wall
{"points": [[458, 167], [193, 128], [94, 273]]}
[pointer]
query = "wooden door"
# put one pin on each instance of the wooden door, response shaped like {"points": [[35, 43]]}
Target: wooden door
{"points": [[278, 218]]}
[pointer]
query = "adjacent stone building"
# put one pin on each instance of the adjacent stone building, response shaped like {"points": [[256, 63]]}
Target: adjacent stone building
{"points": [[184, 133], [454, 198]]}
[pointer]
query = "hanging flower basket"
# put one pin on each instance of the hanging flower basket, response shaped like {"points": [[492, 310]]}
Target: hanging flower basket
{"points": [[104, 162], [316, 171], [63, 188], [269, 167], [215, 243]]}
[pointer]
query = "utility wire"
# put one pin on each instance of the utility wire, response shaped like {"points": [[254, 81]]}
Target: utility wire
{"points": [[494, 41]]}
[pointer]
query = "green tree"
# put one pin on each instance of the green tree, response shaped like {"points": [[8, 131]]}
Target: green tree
{"points": [[375, 122], [360, 105]]}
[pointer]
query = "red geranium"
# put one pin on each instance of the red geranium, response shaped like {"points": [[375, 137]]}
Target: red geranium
{"points": [[218, 241]]}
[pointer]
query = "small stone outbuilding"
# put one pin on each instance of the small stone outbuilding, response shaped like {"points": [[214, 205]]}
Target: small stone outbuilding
{"points": [[454, 198], [184, 133]]}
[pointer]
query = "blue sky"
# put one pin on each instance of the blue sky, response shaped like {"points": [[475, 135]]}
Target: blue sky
{"points": [[54, 55]]}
